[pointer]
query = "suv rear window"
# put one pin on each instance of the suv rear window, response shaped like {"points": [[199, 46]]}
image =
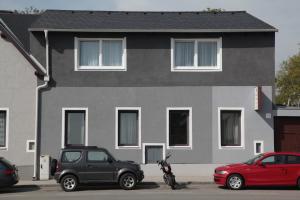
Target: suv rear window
{"points": [[70, 156]]}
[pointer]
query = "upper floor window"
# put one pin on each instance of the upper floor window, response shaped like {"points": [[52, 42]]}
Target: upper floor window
{"points": [[196, 54], [100, 54]]}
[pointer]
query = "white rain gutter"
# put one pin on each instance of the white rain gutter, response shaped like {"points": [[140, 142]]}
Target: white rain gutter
{"points": [[38, 88]]}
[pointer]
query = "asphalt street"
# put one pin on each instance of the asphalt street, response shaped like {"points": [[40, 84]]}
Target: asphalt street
{"points": [[148, 191]]}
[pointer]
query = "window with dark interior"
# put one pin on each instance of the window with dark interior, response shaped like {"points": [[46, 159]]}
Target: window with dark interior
{"points": [[3, 124], [179, 127], [231, 128], [128, 127], [75, 127]]}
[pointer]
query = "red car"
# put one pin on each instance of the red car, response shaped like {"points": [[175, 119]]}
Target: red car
{"points": [[267, 169]]}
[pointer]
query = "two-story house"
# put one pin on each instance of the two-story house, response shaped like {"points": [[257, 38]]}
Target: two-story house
{"points": [[142, 84], [19, 76]]}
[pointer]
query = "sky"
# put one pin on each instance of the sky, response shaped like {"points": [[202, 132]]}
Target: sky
{"points": [[283, 14]]}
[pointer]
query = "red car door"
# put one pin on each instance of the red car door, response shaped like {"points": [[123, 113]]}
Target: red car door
{"points": [[270, 171], [292, 169]]}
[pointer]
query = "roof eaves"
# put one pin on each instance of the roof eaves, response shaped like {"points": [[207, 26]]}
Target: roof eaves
{"points": [[20, 47], [155, 30]]}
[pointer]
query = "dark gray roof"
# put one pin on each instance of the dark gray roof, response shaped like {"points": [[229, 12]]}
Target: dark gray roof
{"points": [[14, 29], [135, 21], [19, 24]]}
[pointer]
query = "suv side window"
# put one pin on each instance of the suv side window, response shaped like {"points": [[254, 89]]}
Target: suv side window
{"points": [[274, 160], [293, 159], [70, 156], [97, 156]]}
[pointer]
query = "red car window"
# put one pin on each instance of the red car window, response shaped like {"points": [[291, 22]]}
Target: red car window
{"points": [[293, 159], [274, 160]]}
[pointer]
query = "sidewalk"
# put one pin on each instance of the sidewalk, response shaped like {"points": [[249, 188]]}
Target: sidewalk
{"points": [[150, 179]]}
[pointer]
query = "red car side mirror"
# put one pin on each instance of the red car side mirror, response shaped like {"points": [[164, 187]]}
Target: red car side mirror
{"points": [[261, 164]]}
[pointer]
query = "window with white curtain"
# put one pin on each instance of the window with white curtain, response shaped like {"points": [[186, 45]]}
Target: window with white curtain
{"points": [[100, 54], [3, 128], [196, 54], [231, 128], [128, 127], [75, 127]]}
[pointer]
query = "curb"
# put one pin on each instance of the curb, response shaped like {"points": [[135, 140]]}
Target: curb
{"points": [[147, 183]]}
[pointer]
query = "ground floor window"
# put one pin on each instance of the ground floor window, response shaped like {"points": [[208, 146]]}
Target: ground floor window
{"points": [[128, 122], [231, 127], [153, 152], [179, 127], [258, 147], [75, 127], [3, 128]]}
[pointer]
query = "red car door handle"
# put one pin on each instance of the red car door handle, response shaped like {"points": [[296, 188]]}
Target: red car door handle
{"points": [[284, 170]]}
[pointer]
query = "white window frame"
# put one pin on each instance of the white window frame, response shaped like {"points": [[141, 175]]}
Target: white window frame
{"points": [[242, 146], [7, 128], [64, 109], [190, 146], [262, 146], [117, 109], [77, 40], [153, 144], [195, 67], [27, 146]]}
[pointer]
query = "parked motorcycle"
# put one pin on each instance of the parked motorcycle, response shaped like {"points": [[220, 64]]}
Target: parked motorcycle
{"points": [[169, 177]]}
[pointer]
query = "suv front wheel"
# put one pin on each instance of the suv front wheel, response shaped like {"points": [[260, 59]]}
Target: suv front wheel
{"points": [[127, 181], [69, 183]]}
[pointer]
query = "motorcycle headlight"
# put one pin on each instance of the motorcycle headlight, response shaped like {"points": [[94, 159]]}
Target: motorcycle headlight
{"points": [[222, 172]]}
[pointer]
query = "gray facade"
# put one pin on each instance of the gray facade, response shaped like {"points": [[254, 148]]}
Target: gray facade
{"points": [[248, 59], [18, 95], [101, 103], [149, 84]]}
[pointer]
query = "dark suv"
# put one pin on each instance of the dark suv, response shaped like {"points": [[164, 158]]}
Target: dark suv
{"points": [[92, 165]]}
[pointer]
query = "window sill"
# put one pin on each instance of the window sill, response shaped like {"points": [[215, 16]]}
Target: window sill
{"points": [[196, 69], [128, 147], [231, 147], [3, 148], [101, 68], [179, 147]]}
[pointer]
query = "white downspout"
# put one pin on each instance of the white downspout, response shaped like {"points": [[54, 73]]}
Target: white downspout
{"points": [[38, 88]]}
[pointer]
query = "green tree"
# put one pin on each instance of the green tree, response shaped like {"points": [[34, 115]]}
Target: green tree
{"points": [[29, 10], [288, 82]]}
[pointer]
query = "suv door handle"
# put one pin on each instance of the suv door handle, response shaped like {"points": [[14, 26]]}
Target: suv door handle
{"points": [[90, 166]]}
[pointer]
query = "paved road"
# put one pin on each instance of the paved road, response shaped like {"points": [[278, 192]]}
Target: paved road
{"points": [[150, 191]]}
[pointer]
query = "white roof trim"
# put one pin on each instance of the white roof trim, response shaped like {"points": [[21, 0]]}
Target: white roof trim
{"points": [[39, 65]]}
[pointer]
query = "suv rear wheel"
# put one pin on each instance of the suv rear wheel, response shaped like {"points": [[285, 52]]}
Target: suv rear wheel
{"points": [[235, 182], [127, 181], [69, 183], [298, 183]]}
